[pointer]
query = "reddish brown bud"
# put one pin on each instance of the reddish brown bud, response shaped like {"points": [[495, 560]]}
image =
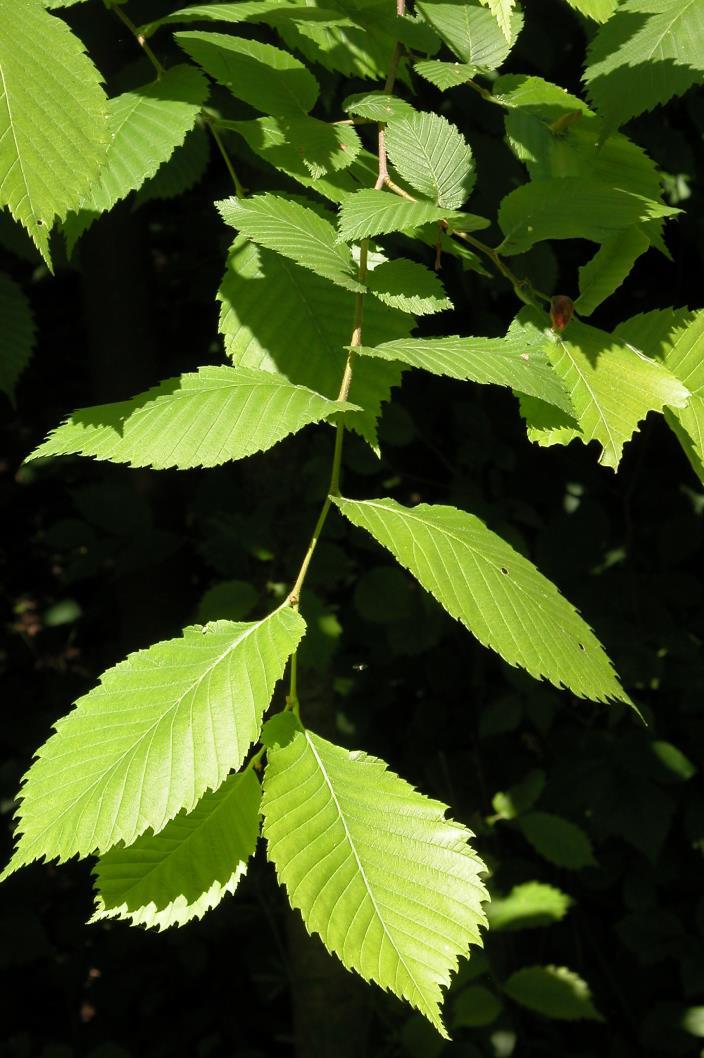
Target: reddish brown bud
{"points": [[561, 311]]}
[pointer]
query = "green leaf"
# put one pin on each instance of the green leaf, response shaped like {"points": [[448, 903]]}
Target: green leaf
{"points": [[146, 126], [204, 418], [676, 338], [266, 77], [295, 232], [433, 157], [366, 213], [501, 361], [230, 599], [377, 106], [301, 146], [557, 840], [553, 991], [17, 334], [273, 12], [556, 135], [390, 885], [170, 878], [528, 906], [320, 315], [409, 286], [470, 31], [521, 796], [612, 386], [125, 759], [609, 267], [445, 75], [475, 1007], [184, 169], [53, 119], [649, 51], [502, 10], [496, 593], [571, 208], [599, 10]]}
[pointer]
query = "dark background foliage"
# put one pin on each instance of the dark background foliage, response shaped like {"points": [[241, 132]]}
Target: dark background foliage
{"points": [[99, 560]]}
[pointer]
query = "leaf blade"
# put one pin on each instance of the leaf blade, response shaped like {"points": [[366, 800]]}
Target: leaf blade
{"points": [[296, 232], [347, 822], [433, 156], [81, 796], [170, 878], [543, 633], [498, 361], [203, 418], [53, 119]]}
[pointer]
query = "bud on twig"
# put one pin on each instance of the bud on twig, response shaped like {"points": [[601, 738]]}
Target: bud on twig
{"points": [[561, 312]]}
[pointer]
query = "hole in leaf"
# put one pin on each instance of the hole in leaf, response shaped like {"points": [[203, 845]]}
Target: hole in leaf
{"points": [[582, 646], [504, 571]]}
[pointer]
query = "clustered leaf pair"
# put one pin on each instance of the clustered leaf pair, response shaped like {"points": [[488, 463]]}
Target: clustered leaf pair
{"points": [[156, 770]]}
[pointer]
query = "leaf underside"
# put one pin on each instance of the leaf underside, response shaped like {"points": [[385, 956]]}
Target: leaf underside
{"points": [[389, 884], [53, 119], [202, 419], [161, 728], [495, 592], [169, 878]]}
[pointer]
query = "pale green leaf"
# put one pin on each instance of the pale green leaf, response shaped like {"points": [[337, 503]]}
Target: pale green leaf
{"points": [[521, 796], [170, 878], [599, 10], [649, 51], [497, 361], [612, 386], [409, 286], [320, 315], [470, 31], [474, 1008], [302, 147], [161, 728], [493, 590], [502, 10], [53, 118], [275, 13], [676, 338], [184, 169], [553, 991], [146, 126], [17, 333], [445, 75], [377, 106], [433, 157], [528, 906], [390, 885], [609, 267], [571, 208], [204, 418], [366, 212], [269, 79], [557, 840], [556, 135], [295, 232]]}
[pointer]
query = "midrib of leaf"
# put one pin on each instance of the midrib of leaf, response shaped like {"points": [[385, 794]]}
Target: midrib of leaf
{"points": [[151, 731], [18, 159], [675, 18], [362, 872]]}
